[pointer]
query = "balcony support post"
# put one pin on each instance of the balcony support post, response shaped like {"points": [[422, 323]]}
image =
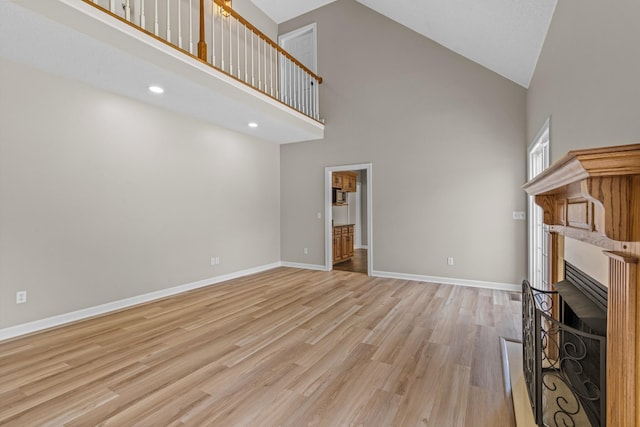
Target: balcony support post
{"points": [[202, 45]]}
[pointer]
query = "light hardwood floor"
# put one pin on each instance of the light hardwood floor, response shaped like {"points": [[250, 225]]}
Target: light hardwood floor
{"points": [[286, 347]]}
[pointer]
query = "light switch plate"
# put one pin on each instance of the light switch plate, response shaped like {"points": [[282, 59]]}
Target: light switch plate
{"points": [[519, 215]]}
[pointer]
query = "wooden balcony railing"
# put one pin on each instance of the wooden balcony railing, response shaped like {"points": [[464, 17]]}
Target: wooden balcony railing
{"points": [[214, 33]]}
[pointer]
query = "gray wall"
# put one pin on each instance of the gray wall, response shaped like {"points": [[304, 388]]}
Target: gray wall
{"points": [[446, 138], [104, 198], [257, 17], [587, 77]]}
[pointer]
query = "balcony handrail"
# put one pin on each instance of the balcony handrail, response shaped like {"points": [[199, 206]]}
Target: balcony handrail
{"points": [[266, 67], [232, 12]]}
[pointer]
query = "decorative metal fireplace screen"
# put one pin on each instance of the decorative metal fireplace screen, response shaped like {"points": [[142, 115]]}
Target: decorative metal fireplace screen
{"points": [[564, 366]]}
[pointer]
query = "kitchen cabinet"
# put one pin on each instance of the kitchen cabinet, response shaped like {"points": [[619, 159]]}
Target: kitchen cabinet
{"points": [[345, 181], [349, 182], [343, 240], [336, 180]]}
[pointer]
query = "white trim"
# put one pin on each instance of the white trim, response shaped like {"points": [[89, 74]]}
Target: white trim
{"points": [[74, 316], [546, 128], [535, 234], [303, 266], [510, 287], [358, 221], [328, 229]]}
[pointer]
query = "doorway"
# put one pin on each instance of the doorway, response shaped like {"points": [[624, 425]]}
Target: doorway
{"points": [[302, 45], [350, 221]]}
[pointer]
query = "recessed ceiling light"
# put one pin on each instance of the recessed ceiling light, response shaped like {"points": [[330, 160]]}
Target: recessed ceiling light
{"points": [[253, 125], [156, 89]]}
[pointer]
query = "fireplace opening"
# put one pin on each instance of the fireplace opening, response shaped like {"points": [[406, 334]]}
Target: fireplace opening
{"points": [[564, 342]]}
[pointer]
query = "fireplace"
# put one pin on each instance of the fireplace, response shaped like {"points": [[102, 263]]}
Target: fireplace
{"points": [[564, 350], [593, 195]]}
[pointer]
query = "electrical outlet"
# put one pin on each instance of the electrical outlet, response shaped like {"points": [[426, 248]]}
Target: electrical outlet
{"points": [[215, 260], [319, 215], [519, 215], [306, 251], [450, 260], [21, 297]]}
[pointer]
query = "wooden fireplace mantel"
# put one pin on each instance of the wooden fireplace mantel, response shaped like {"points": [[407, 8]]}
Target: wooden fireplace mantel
{"points": [[594, 195]]}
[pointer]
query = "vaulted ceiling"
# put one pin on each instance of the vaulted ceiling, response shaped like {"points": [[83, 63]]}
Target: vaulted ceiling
{"points": [[505, 36]]}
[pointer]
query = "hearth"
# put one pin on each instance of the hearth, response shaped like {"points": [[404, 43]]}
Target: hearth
{"points": [[564, 350]]}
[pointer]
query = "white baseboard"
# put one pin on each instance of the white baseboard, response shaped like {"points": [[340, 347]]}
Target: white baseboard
{"points": [[50, 322], [450, 281], [303, 266], [74, 316]]}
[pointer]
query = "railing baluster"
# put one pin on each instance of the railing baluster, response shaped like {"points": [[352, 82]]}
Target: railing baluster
{"points": [[264, 42], [298, 89], [156, 23], [246, 67], [296, 82], [213, 35], [253, 79], [238, 46], [289, 84], [190, 27], [294, 74], [271, 72], [179, 24], [168, 22], [310, 91], [127, 10], [277, 76], [112, 6], [316, 104], [222, 41], [303, 89], [309, 94], [259, 70], [304, 92], [230, 47], [142, 17], [293, 85]]}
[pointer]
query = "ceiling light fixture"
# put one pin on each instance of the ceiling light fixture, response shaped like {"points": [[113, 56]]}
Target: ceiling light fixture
{"points": [[253, 125], [156, 89], [223, 11]]}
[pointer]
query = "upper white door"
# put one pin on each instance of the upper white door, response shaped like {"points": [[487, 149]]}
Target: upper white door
{"points": [[302, 45]]}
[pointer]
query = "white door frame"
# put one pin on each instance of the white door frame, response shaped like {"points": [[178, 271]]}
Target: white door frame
{"points": [[328, 229], [358, 222], [538, 268]]}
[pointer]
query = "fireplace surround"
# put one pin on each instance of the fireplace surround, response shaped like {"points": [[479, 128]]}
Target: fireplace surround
{"points": [[593, 196]]}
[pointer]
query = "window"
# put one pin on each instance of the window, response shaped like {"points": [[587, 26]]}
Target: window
{"points": [[538, 160]]}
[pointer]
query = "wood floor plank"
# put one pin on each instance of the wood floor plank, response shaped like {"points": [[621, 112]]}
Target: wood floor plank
{"points": [[285, 347]]}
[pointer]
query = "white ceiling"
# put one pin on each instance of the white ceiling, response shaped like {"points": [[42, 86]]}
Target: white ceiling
{"points": [[503, 35]]}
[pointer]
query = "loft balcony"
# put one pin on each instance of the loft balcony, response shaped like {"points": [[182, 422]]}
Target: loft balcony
{"points": [[213, 64]]}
